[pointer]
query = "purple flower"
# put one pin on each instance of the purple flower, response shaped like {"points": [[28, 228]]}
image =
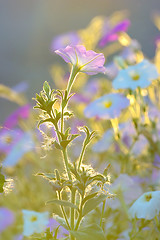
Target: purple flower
{"points": [[20, 113], [6, 218], [64, 40], [139, 75], [140, 145], [108, 106], [24, 145], [8, 138], [53, 224], [130, 190], [112, 34], [156, 162], [88, 62], [89, 90]]}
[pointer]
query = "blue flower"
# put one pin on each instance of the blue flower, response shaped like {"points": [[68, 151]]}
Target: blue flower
{"points": [[139, 75], [34, 222], [104, 143], [8, 138], [108, 106], [147, 206], [24, 145]]}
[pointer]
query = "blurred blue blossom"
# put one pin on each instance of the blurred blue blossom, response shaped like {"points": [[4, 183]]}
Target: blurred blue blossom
{"points": [[34, 222], [104, 143], [8, 138], [108, 106], [24, 145], [139, 75], [146, 206]]}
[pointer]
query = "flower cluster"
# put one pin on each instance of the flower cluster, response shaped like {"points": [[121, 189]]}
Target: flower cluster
{"points": [[90, 168]]}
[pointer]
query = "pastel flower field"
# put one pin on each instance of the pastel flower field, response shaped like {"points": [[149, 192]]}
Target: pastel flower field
{"points": [[81, 159]]}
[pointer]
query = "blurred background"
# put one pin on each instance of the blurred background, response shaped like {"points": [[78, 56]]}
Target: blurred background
{"points": [[27, 28]]}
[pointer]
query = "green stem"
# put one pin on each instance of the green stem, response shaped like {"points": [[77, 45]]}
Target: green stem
{"points": [[73, 194], [103, 207], [73, 74], [66, 162], [80, 215], [62, 119], [81, 156], [63, 212]]}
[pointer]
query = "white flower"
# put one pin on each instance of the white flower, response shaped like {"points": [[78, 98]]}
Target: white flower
{"points": [[34, 222], [147, 206]]}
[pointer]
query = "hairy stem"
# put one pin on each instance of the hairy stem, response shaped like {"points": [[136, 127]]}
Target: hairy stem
{"points": [[103, 207], [72, 77], [81, 156], [66, 162], [63, 212]]}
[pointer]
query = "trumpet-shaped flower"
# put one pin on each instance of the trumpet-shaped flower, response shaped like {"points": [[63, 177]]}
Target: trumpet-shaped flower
{"points": [[108, 106], [139, 75], [34, 222], [147, 206], [6, 218], [88, 62]]}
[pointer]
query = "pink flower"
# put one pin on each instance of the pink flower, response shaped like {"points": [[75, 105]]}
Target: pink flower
{"points": [[111, 35], [88, 62], [20, 113]]}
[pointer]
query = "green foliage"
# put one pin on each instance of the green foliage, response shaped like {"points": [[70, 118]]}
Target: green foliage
{"points": [[63, 203], [92, 203], [2, 181], [90, 232]]}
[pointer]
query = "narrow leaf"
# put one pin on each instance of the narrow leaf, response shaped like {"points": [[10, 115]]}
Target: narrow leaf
{"points": [[63, 203], [91, 204]]}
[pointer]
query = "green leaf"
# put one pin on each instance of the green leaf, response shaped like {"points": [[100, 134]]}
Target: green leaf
{"points": [[90, 232], [48, 176], [63, 203], [2, 181], [64, 143], [92, 203], [47, 88], [57, 145], [43, 121], [92, 195]]}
